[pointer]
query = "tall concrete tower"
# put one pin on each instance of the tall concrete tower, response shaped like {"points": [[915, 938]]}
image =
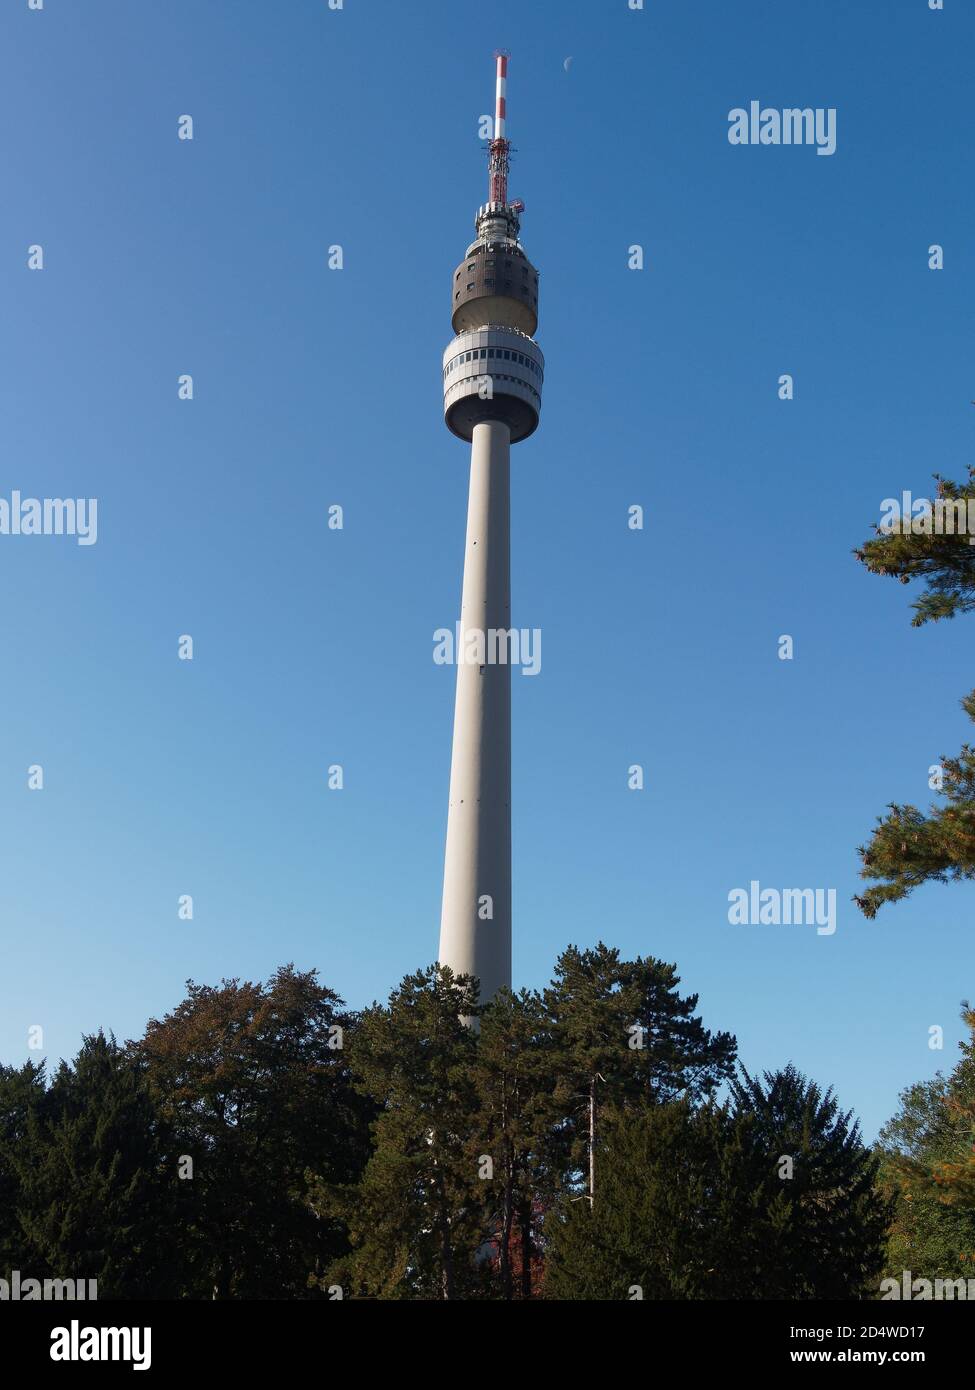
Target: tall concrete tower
{"points": [[492, 373]]}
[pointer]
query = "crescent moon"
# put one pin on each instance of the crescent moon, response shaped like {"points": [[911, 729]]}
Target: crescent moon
{"points": [[567, 64]]}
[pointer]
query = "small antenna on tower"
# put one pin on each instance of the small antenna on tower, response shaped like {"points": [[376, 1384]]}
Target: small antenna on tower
{"points": [[500, 147]]}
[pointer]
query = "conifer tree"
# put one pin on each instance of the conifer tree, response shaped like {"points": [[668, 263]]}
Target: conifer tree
{"points": [[623, 1035], [22, 1092], [513, 1062], [912, 550], [772, 1197], [910, 847], [819, 1189], [673, 1216], [416, 1219], [97, 1198]]}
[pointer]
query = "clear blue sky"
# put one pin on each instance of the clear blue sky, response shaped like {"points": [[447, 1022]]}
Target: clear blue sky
{"points": [[315, 387]]}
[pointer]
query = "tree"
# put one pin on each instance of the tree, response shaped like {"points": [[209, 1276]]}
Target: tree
{"points": [[96, 1194], [255, 1082], [828, 1217], [912, 550], [22, 1092], [670, 1219], [909, 848], [416, 1218], [771, 1197], [481, 1130], [621, 1034], [260, 1142], [513, 1060], [928, 1160]]}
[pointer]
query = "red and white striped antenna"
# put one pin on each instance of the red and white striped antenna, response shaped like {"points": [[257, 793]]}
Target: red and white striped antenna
{"points": [[500, 146], [500, 92]]}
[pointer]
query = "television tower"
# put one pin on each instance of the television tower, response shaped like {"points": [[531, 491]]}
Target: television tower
{"points": [[492, 375]]}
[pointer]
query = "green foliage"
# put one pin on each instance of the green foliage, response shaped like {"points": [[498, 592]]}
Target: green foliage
{"points": [[672, 1211], [621, 1034], [517, 1112], [945, 563], [94, 1197], [909, 848], [927, 1156], [415, 1219], [257, 1091], [436, 1211], [177, 1166], [821, 1182], [22, 1091], [700, 1202], [259, 1142]]}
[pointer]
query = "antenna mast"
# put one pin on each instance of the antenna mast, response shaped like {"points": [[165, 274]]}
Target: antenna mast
{"points": [[500, 147]]}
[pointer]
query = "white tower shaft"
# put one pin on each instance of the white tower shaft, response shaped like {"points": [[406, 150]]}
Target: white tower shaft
{"points": [[475, 923]]}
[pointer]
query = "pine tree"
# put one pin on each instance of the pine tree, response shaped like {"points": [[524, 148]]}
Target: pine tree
{"points": [[945, 562], [908, 847], [416, 1219], [622, 1035]]}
